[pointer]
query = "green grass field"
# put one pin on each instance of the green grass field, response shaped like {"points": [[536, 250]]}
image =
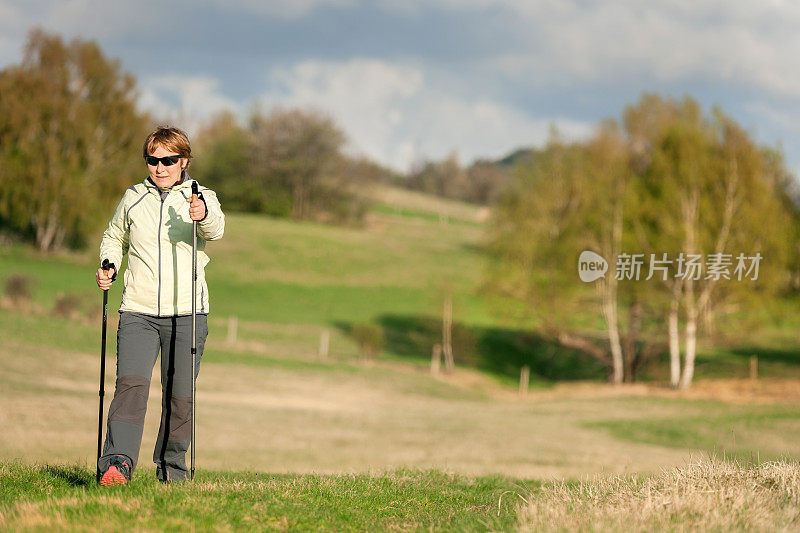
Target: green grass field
{"points": [[52, 497]]}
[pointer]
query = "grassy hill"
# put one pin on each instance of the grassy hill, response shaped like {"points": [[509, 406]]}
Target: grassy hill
{"points": [[268, 402], [287, 281]]}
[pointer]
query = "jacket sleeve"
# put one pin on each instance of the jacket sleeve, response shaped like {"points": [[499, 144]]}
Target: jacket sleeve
{"points": [[116, 238], [212, 226]]}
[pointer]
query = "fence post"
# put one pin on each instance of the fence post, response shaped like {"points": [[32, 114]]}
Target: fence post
{"points": [[436, 358], [233, 326], [447, 333], [324, 343], [524, 379]]}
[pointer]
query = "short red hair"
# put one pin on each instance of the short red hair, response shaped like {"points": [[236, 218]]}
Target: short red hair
{"points": [[171, 138]]}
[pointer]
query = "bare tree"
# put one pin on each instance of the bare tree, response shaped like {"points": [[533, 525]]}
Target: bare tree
{"points": [[285, 163]]}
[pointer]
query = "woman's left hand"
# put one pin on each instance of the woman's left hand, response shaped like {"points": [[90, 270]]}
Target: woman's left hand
{"points": [[197, 208]]}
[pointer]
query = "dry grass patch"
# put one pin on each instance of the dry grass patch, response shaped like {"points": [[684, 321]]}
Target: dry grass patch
{"points": [[766, 391], [762, 391], [708, 495]]}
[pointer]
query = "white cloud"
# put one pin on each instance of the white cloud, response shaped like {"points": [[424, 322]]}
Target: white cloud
{"points": [[752, 45], [749, 44], [394, 112], [187, 101]]}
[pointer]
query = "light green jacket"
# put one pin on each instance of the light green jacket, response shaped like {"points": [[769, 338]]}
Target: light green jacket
{"points": [[153, 227]]}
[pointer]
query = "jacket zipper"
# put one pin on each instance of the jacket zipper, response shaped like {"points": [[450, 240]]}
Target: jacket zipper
{"points": [[160, 218]]}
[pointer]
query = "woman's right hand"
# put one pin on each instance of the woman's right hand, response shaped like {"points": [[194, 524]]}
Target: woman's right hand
{"points": [[104, 278]]}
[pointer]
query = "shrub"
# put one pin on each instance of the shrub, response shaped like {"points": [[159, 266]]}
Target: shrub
{"points": [[18, 289], [369, 338], [68, 306]]}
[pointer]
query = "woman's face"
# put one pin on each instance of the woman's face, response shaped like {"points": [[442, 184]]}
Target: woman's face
{"points": [[165, 176]]}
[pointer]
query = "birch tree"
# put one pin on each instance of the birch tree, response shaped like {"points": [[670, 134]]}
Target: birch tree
{"points": [[572, 198], [691, 193], [70, 139], [709, 195]]}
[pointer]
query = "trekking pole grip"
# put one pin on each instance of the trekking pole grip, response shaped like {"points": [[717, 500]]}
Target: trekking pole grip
{"points": [[106, 266]]}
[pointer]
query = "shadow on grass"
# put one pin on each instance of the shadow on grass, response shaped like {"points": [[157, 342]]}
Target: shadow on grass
{"points": [[75, 476], [498, 351], [734, 362], [789, 356]]}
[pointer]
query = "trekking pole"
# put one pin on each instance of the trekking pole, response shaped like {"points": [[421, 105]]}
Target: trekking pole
{"points": [[195, 193], [106, 265]]}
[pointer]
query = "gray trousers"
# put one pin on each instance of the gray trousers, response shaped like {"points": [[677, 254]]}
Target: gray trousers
{"points": [[139, 339]]}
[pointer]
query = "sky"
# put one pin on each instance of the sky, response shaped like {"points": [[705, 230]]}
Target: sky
{"points": [[410, 80]]}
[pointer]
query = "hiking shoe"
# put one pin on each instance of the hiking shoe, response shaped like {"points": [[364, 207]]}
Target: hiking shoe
{"points": [[119, 473]]}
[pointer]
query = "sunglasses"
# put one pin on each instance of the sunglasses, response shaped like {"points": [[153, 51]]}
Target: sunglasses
{"points": [[167, 161]]}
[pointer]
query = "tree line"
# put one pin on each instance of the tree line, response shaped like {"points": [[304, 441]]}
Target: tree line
{"points": [[70, 141]]}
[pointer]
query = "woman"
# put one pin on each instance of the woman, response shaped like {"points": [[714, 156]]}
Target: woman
{"points": [[153, 224]]}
